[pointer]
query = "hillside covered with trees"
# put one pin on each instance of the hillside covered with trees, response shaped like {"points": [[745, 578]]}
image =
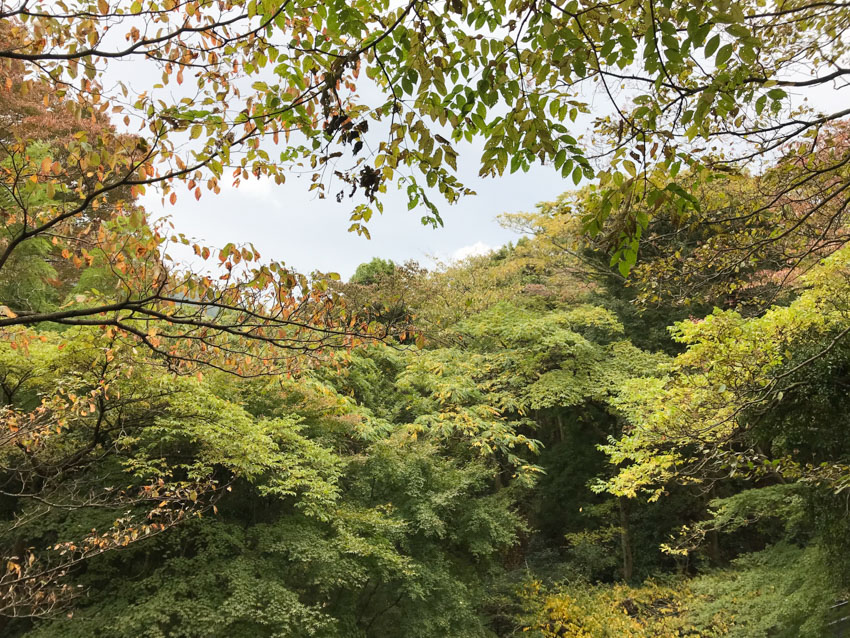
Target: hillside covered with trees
{"points": [[630, 422]]}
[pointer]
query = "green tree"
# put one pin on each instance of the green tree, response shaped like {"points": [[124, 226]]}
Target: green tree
{"points": [[372, 272]]}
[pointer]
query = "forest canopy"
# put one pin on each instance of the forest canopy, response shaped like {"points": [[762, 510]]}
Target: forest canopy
{"points": [[629, 422]]}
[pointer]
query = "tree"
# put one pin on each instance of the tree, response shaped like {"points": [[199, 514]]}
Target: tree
{"points": [[754, 411], [512, 74], [78, 250], [704, 132], [746, 247], [755, 232], [341, 520], [102, 448], [372, 272], [736, 387]]}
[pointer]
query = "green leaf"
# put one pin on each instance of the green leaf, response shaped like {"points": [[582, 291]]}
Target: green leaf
{"points": [[711, 46], [577, 175], [724, 54]]}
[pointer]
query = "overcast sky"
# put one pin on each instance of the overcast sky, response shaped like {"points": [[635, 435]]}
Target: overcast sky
{"points": [[288, 224]]}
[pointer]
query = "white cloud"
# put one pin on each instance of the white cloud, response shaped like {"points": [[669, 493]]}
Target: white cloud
{"points": [[478, 248]]}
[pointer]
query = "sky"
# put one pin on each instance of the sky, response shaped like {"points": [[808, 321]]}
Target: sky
{"points": [[286, 223]]}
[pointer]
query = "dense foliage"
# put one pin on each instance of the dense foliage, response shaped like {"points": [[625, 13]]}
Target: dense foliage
{"points": [[632, 422], [527, 470]]}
